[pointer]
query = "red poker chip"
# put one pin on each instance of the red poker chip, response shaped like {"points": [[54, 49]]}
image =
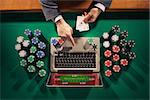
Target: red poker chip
{"points": [[60, 41], [108, 73], [115, 48], [124, 62], [108, 63], [116, 57], [107, 53], [116, 68]]}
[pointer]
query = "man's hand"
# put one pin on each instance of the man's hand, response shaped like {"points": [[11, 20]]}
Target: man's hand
{"points": [[92, 15], [64, 30]]}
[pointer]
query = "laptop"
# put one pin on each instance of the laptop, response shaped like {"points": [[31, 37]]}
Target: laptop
{"points": [[77, 66]]}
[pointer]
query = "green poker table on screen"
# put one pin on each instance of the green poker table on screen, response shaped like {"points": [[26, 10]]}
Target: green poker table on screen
{"points": [[16, 83]]}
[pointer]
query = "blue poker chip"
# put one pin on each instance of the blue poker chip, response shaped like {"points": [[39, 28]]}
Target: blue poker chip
{"points": [[37, 32], [41, 45], [34, 40], [54, 41], [40, 54], [27, 32]]}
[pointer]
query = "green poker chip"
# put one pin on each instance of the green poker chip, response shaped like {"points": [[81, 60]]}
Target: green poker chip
{"points": [[33, 49], [31, 68], [90, 41], [42, 73], [31, 58], [39, 64], [23, 62]]}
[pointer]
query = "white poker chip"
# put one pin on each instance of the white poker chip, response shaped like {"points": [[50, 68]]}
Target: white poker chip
{"points": [[26, 43], [115, 38], [106, 44], [22, 53], [20, 39], [18, 47], [105, 35]]}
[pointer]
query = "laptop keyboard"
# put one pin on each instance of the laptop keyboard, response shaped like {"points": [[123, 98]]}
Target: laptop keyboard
{"points": [[75, 59]]}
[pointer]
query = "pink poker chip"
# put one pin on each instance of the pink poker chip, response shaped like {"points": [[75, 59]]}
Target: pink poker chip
{"points": [[124, 62], [107, 53], [108, 73], [108, 63], [115, 48], [116, 57], [116, 68]]}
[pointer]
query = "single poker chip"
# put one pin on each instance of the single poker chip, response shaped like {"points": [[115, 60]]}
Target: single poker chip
{"points": [[31, 68], [40, 54], [132, 55], [106, 44], [124, 62], [108, 63], [124, 51], [123, 42], [23, 63], [41, 45], [61, 41], [108, 73], [33, 49], [31, 58], [105, 35], [131, 43], [22, 53], [116, 68], [34, 40], [124, 34], [18, 47], [27, 32], [115, 48], [20, 39], [116, 28], [107, 53], [37, 32], [90, 41], [39, 64], [26, 43], [54, 41], [42, 73], [116, 57], [115, 38]]}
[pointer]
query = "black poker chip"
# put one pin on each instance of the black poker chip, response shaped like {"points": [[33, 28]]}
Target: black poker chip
{"points": [[124, 51], [124, 34], [132, 55], [116, 28], [123, 42], [131, 43]]}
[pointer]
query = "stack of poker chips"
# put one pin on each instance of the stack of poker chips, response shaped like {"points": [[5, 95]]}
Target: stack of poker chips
{"points": [[32, 51], [116, 50]]}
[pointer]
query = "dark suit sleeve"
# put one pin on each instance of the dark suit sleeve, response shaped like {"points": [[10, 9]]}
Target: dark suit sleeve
{"points": [[106, 3], [50, 9]]}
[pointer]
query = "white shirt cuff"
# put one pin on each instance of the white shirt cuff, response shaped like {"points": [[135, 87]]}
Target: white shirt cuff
{"points": [[58, 18], [100, 6]]}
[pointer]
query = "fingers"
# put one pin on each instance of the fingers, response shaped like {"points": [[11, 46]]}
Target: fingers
{"points": [[71, 39]]}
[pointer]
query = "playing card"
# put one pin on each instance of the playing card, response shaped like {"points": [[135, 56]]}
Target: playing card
{"points": [[81, 25]]}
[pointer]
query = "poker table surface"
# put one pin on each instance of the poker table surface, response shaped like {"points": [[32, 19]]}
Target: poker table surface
{"points": [[16, 83]]}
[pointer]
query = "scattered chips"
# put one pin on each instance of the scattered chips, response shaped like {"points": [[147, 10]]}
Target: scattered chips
{"points": [[106, 44], [116, 57], [108, 63], [31, 58], [39, 64], [33, 49], [18, 47], [20, 39], [124, 62], [115, 48], [116, 68], [108, 73], [22, 53], [40, 54], [132, 55], [41, 45], [42, 73], [27, 32], [34, 40], [26, 43], [23, 63], [115, 38], [37, 32], [107, 53], [116, 28], [105, 35], [31, 68]]}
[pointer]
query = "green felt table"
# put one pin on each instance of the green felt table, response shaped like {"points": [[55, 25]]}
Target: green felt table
{"points": [[17, 84]]}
